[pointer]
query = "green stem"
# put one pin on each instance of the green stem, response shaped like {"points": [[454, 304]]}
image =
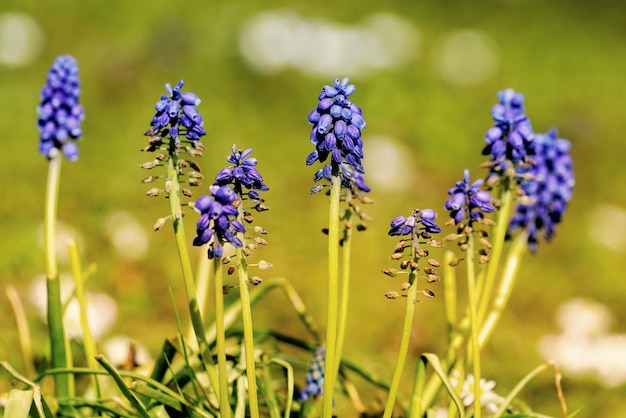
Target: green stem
{"points": [[495, 256], [346, 250], [404, 343], [225, 411], [511, 268], [330, 362], [23, 331], [473, 315], [88, 342], [248, 334], [58, 349], [183, 255], [449, 292]]}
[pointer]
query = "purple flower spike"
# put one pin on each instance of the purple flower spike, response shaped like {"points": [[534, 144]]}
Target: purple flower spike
{"points": [[59, 113], [218, 224], [510, 141], [314, 386], [177, 115], [337, 125], [242, 174], [549, 189], [421, 222], [468, 200]]}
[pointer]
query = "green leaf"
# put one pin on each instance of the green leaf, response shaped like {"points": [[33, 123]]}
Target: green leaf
{"points": [[434, 361], [19, 403]]}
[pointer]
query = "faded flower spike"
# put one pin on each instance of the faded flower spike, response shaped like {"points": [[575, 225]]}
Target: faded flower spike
{"points": [[411, 225], [59, 113], [217, 224], [177, 115], [243, 172], [468, 201], [336, 133], [549, 189], [510, 140], [315, 375]]}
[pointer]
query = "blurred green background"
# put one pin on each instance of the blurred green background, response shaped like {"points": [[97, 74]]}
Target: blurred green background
{"points": [[427, 74]]}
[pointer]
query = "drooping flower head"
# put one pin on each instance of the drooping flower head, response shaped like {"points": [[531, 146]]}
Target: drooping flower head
{"points": [[548, 188], [401, 225], [59, 113], [467, 201], [510, 140], [176, 115], [218, 224], [336, 133], [242, 174], [314, 386]]}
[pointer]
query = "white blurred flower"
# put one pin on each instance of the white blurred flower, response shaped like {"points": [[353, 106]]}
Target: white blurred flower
{"points": [[119, 349], [584, 318], [278, 40], [127, 235], [607, 227], [489, 399], [466, 57], [101, 308], [585, 347], [21, 39], [64, 234]]}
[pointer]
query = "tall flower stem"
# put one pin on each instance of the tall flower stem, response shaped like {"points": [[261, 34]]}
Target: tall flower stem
{"points": [[473, 315], [404, 342], [58, 348], [248, 334], [346, 248], [330, 362], [183, 255], [220, 336], [504, 215]]}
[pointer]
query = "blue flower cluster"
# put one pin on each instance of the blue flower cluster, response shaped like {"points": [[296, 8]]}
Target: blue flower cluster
{"points": [[315, 375], [468, 200], [218, 224], [511, 138], [549, 189], [177, 115], [337, 125], [59, 113], [243, 172], [404, 226]]}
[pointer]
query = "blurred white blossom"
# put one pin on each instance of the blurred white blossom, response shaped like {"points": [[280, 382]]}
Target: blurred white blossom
{"points": [[127, 235]]}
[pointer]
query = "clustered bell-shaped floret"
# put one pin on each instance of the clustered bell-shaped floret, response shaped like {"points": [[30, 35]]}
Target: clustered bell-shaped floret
{"points": [[59, 113], [336, 133], [411, 225], [511, 138], [549, 189], [218, 224], [177, 115], [314, 386], [243, 172], [468, 200]]}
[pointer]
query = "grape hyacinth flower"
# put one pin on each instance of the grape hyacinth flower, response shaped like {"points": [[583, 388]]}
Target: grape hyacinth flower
{"points": [[177, 115], [401, 225], [315, 376], [468, 201], [510, 140], [549, 188], [243, 172], [218, 224], [59, 113], [336, 133]]}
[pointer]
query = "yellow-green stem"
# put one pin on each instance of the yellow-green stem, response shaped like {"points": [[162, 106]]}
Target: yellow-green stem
{"points": [[88, 341], [330, 362], [345, 289], [495, 255], [248, 334], [22, 330], [404, 343], [58, 349], [474, 330], [183, 256], [509, 274], [220, 338]]}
